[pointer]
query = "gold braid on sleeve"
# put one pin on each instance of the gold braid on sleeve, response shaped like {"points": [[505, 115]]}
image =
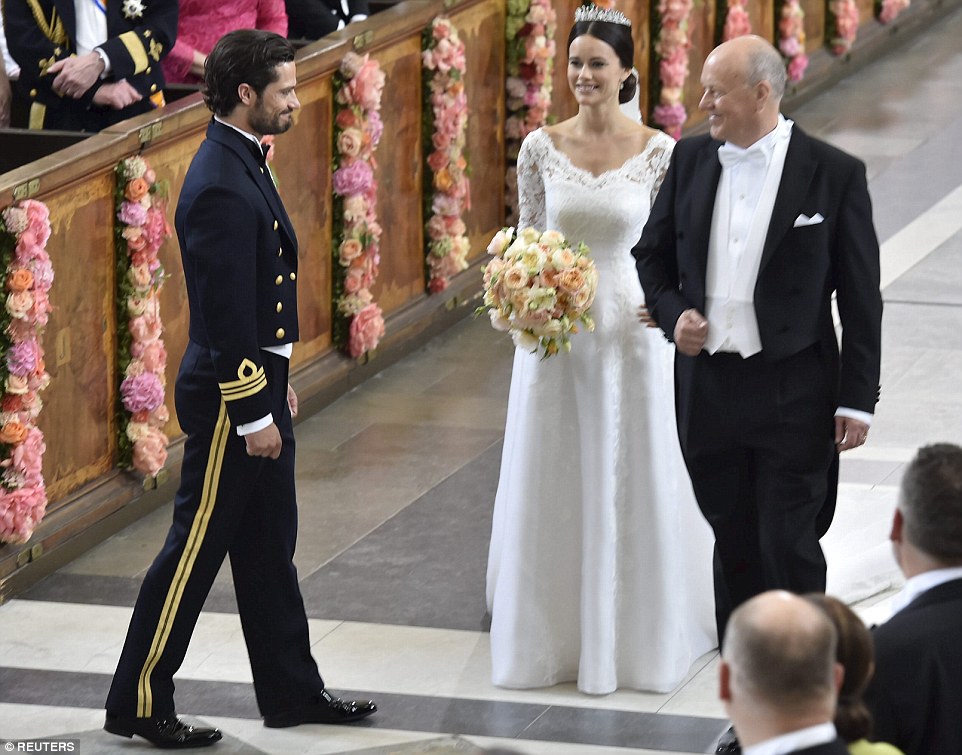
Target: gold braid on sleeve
{"points": [[53, 30]]}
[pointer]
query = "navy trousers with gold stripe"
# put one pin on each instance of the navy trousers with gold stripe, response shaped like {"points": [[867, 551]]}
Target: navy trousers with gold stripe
{"points": [[228, 504]]}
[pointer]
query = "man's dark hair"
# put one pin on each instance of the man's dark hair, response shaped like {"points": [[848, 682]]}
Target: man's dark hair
{"points": [[931, 502], [245, 56]]}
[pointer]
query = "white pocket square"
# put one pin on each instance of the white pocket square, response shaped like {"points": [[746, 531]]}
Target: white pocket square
{"points": [[804, 220]]}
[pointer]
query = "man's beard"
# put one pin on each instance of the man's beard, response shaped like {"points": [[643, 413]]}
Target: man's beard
{"points": [[262, 123]]}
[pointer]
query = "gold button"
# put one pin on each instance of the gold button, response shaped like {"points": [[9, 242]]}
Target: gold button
{"points": [[280, 251], [153, 87], [148, 70], [278, 280], [279, 306], [262, 170], [56, 50], [275, 225], [280, 333], [33, 92], [146, 32], [293, 276]]}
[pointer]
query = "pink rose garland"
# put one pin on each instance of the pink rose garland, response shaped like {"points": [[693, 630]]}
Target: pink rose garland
{"points": [[141, 230], [672, 49], [888, 10], [791, 39], [737, 22], [445, 67], [529, 31], [843, 15], [24, 231], [358, 321]]}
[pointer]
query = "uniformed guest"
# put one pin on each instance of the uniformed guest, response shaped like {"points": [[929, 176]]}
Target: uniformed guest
{"points": [[88, 64], [234, 403]]}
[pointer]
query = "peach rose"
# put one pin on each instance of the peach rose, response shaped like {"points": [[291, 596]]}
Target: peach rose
{"points": [[136, 190], [349, 250], [571, 281], [349, 142], [150, 452], [13, 433], [19, 303], [19, 280]]}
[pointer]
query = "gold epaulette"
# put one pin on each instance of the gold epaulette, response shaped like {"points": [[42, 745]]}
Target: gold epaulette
{"points": [[52, 30]]}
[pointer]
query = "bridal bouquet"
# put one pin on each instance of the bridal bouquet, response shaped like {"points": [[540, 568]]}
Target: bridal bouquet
{"points": [[538, 287]]}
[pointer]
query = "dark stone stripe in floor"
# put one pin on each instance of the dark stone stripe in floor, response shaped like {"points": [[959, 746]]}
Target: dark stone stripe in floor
{"points": [[423, 567], [482, 718]]}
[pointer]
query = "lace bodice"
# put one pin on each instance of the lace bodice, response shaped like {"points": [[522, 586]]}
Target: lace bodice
{"points": [[607, 212]]}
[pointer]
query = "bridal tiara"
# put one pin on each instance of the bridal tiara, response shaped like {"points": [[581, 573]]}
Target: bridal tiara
{"points": [[608, 15]]}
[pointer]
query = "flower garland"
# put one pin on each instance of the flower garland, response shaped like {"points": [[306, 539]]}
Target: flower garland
{"points": [[445, 123], [843, 25], [672, 49], [24, 230], [529, 31], [140, 231], [888, 10], [737, 22], [791, 39], [358, 321]]}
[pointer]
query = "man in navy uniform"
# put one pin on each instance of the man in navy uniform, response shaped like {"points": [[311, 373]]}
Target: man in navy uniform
{"points": [[87, 65], [234, 403]]}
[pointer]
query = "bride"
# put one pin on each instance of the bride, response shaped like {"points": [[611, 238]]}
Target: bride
{"points": [[599, 567]]}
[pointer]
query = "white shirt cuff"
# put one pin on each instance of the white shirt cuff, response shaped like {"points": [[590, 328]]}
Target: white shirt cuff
{"points": [[252, 427], [865, 417], [106, 60]]}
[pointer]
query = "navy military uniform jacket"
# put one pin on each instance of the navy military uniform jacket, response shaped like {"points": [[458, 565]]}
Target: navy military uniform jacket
{"points": [[41, 32], [241, 271]]}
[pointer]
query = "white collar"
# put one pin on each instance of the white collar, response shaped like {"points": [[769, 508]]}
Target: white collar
{"points": [[239, 131], [924, 582], [794, 740], [765, 145]]}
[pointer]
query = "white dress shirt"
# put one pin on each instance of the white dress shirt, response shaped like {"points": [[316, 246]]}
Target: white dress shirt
{"points": [[797, 740], [743, 210]]}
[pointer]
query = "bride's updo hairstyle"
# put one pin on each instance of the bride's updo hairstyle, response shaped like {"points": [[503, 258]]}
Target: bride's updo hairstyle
{"points": [[614, 28]]}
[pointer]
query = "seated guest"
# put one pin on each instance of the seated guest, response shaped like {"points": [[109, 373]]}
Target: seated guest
{"points": [[203, 22], [778, 677], [853, 721], [312, 19], [916, 695], [86, 66]]}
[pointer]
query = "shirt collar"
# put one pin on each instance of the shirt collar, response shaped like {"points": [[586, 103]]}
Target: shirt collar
{"points": [[240, 131], [794, 740], [766, 145], [924, 582]]}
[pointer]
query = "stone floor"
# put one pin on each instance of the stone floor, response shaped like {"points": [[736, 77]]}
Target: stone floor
{"points": [[396, 482]]}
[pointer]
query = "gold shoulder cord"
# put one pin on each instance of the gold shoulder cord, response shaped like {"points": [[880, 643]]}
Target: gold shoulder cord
{"points": [[54, 30]]}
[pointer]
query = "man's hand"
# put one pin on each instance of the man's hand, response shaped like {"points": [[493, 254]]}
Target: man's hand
{"points": [[75, 75], [291, 400], [849, 433], [266, 442], [117, 95], [691, 331], [645, 318]]}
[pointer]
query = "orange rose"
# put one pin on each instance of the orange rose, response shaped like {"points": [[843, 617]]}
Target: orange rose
{"points": [[13, 433], [443, 180], [571, 281], [136, 189], [20, 279]]}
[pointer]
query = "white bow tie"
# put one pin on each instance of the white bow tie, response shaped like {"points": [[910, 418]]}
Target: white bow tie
{"points": [[730, 154]]}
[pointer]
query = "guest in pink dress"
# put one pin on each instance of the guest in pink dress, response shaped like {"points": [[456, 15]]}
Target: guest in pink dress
{"points": [[202, 22]]}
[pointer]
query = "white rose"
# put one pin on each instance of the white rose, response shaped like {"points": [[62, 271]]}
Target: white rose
{"points": [[525, 340]]}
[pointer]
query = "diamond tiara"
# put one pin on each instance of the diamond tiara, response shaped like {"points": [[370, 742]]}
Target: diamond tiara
{"points": [[608, 15]]}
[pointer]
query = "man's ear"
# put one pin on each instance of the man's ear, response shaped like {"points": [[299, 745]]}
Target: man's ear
{"points": [[245, 92], [898, 524], [763, 93], [724, 682], [839, 677]]}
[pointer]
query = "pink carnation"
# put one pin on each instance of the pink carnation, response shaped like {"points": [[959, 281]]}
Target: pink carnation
{"points": [[20, 512], [142, 392], [356, 178], [150, 452], [27, 457], [38, 220], [132, 213], [366, 330]]}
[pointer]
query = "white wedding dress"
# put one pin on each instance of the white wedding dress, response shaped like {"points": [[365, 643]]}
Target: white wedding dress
{"points": [[599, 567]]}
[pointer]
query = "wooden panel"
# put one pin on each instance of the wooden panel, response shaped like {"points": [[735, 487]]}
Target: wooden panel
{"points": [[814, 24], [762, 15], [78, 416], [399, 165], [702, 29], [302, 165], [482, 29], [866, 10]]}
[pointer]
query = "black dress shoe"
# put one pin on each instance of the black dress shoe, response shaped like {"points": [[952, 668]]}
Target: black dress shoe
{"points": [[326, 710], [168, 733], [728, 743]]}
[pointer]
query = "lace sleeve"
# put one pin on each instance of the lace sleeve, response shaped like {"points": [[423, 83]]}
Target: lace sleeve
{"points": [[660, 157], [531, 204]]}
